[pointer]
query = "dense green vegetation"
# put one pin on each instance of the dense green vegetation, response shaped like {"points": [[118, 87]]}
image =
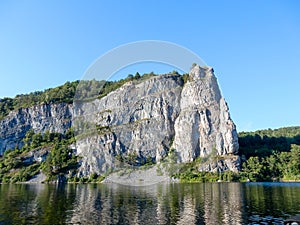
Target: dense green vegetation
{"points": [[271, 154], [266, 142], [277, 166], [56, 158]]}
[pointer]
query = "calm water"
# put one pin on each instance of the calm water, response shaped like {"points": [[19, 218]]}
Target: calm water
{"points": [[217, 203]]}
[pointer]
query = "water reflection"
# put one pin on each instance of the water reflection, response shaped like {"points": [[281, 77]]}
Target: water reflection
{"points": [[211, 203]]}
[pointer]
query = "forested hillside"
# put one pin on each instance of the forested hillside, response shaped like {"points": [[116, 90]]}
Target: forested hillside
{"points": [[271, 154], [265, 142]]}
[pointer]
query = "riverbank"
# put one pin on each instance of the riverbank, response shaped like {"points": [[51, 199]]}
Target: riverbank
{"points": [[139, 177], [149, 175]]}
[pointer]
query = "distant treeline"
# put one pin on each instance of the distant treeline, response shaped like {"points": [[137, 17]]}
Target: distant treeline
{"points": [[271, 154], [264, 143]]}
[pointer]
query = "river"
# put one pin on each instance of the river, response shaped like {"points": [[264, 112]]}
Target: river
{"points": [[202, 203]]}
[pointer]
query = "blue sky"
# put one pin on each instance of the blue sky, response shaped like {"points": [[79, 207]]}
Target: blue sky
{"points": [[254, 47]]}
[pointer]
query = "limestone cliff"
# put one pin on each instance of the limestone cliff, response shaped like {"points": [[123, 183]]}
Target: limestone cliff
{"points": [[203, 126], [53, 117], [147, 119], [138, 122]]}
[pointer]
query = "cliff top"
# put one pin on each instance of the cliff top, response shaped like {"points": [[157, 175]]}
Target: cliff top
{"points": [[65, 93]]}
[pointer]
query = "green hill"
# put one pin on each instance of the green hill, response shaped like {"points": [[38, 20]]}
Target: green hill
{"points": [[266, 142]]}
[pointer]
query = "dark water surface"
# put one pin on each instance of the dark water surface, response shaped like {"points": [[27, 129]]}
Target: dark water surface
{"points": [[210, 203]]}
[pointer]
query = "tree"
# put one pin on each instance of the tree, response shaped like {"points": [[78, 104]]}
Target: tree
{"points": [[129, 77], [137, 76], [47, 137], [273, 167], [185, 78], [28, 137], [47, 167], [294, 163], [37, 139], [253, 169]]}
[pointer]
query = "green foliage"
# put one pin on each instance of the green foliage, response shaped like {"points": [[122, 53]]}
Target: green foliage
{"points": [[131, 158], [89, 89], [188, 174], [279, 166], [95, 178], [103, 129], [110, 86], [193, 65], [149, 161], [137, 76], [229, 176], [286, 132], [264, 143], [119, 157], [64, 93], [271, 154], [185, 78], [254, 169], [25, 173], [60, 159], [190, 177], [175, 72]]}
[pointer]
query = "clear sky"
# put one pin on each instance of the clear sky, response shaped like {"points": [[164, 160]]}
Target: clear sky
{"points": [[254, 46]]}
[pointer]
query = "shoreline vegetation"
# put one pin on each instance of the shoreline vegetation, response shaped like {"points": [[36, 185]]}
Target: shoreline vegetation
{"points": [[267, 155]]}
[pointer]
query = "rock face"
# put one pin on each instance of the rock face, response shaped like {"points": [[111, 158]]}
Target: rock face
{"points": [[40, 118], [203, 126], [139, 122], [145, 120], [135, 121]]}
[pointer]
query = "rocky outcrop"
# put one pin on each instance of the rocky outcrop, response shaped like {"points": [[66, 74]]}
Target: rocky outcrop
{"points": [[53, 117], [221, 164], [141, 121], [38, 155], [145, 120], [204, 126], [134, 122]]}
